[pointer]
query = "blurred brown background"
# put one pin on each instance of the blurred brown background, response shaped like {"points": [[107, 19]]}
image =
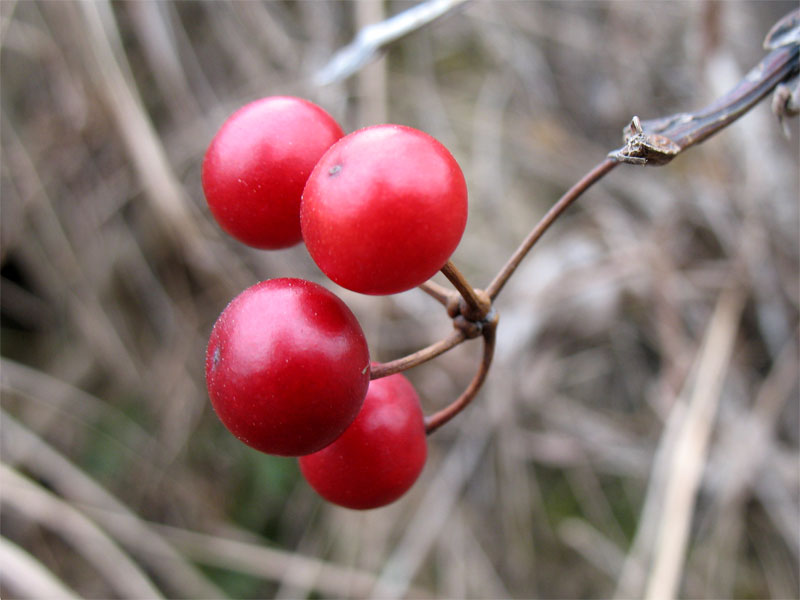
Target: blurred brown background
{"points": [[638, 433]]}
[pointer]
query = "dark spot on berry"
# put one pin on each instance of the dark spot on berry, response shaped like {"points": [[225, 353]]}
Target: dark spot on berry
{"points": [[334, 170], [215, 359]]}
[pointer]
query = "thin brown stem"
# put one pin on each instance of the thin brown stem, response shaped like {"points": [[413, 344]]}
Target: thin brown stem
{"points": [[548, 219], [477, 302], [437, 419], [658, 141], [379, 370], [439, 293]]}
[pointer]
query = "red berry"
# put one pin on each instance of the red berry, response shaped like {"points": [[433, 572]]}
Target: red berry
{"points": [[287, 367], [257, 164], [379, 457], [384, 209]]}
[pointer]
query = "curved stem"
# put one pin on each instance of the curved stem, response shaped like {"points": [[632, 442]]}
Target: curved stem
{"points": [[437, 419], [379, 370], [439, 293], [549, 218], [478, 306]]}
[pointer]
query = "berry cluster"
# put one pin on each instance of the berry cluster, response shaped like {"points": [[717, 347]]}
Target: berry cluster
{"points": [[287, 366]]}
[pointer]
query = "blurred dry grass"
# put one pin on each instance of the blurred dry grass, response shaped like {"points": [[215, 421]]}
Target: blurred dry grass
{"points": [[645, 394]]}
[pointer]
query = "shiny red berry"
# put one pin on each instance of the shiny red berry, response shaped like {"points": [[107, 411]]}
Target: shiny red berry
{"points": [[287, 367], [257, 164], [379, 457], [384, 209]]}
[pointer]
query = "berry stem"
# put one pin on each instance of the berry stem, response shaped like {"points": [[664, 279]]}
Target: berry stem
{"points": [[548, 219], [379, 370], [437, 419], [439, 293], [479, 304]]}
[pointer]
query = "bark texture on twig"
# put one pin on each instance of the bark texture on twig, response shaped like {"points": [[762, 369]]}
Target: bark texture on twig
{"points": [[657, 141]]}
